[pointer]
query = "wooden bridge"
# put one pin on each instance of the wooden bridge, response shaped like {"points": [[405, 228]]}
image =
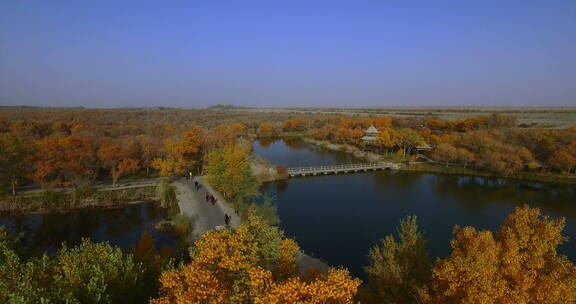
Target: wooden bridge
{"points": [[336, 169]]}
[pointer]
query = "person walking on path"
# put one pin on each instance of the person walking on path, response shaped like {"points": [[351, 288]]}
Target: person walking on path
{"points": [[226, 219]]}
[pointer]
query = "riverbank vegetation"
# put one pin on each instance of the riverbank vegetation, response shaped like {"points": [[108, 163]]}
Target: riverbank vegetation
{"points": [[491, 143], [61, 200], [485, 145]]}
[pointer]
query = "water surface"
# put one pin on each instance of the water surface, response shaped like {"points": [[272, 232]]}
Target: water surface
{"points": [[119, 226], [338, 218]]}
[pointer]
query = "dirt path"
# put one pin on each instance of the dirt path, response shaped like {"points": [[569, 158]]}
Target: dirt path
{"points": [[135, 183]]}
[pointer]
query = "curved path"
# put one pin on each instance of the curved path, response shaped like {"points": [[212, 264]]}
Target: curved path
{"points": [[193, 204], [206, 216]]}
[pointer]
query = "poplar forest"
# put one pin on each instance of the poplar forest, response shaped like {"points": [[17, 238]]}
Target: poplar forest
{"points": [[57, 160]]}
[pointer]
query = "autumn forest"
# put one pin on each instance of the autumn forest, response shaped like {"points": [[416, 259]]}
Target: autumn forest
{"points": [[54, 160]]}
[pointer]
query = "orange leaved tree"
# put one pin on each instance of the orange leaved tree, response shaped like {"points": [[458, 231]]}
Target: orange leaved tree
{"points": [[181, 155], [67, 161], [124, 167], [119, 158]]}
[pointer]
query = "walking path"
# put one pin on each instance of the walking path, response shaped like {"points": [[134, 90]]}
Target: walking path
{"points": [[193, 203], [100, 186], [206, 216]]}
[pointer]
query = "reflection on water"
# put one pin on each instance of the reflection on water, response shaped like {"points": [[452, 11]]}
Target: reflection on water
{"points": [[338, 218], [293, 152], [119, 226]]}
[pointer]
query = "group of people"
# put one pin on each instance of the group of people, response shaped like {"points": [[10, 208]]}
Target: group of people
{"points": [[209, 198]]}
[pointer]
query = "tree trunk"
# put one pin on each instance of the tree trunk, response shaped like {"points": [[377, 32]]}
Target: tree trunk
{"points": [[95, 176], [74, 194], [13, 185]]}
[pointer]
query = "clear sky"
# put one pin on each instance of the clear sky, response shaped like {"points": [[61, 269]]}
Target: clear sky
{"points": [[288, 53]]}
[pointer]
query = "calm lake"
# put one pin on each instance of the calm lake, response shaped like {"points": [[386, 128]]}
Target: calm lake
{"points": [[119, 226], [338, 218]]}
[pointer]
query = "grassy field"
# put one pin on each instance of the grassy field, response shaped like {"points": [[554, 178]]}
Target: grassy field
{"points": [[182, 118], [544, 117]]}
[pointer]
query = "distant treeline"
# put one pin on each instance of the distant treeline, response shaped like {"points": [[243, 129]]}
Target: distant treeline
{"points": [[72, 147]]}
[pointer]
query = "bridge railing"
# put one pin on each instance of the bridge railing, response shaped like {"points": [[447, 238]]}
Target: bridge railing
{"points": [[341, 167]]}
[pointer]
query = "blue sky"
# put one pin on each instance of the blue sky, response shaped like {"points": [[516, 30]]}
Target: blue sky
{"points": [[288, 53]]}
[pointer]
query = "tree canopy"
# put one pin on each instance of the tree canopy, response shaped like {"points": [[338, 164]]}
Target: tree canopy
{"points": [[519, 264]]}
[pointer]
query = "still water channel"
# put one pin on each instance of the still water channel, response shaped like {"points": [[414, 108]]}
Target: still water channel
{"points": [[338, 218], [119, 226]]}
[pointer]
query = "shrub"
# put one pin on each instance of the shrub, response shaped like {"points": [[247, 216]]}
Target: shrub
{"points": [[167, 195], [52, 198], [282, 171]]}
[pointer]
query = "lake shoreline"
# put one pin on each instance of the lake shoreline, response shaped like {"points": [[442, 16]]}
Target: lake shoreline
{"points": [[80, 208], [442, 169], [340, 217]]}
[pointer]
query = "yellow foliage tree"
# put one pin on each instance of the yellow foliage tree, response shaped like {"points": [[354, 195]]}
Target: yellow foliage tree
{"points": [[295, 123], [266, 129], [228, 170], [335, 287], [519, 265], [224, 135], [384, 139], [286, 265], [239, 266]]}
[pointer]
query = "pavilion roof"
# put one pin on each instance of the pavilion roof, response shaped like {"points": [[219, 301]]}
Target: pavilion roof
{"points": [[372, 129]]}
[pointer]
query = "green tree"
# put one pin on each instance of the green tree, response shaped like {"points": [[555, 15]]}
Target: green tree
{"points": [[22, 281], [88, 273], [154, 262], [398, 269], [229, 171], [407, 139], [13, 153], [98, 273], [268, 210]]}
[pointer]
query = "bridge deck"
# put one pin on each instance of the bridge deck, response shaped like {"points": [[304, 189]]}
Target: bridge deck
{"points": [[335, 169]]}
